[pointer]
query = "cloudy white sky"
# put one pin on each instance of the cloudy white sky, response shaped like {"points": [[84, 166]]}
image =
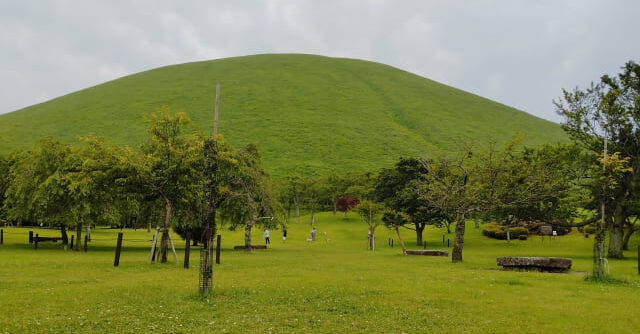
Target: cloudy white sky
{"points": [[517, 52]]}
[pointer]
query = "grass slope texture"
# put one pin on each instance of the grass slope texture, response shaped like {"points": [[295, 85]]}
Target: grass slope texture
{"points": [[308, 113]]}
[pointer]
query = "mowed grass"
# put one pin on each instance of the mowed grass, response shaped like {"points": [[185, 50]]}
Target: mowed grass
{"points": [[329, 286], [310, 114]]}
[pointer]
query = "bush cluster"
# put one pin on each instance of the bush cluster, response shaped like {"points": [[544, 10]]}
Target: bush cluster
{"points": [[589, 229], [495, 231]]}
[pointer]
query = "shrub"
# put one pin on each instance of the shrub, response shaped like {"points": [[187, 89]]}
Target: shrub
{"points": [[522, 237], [495, 231]]}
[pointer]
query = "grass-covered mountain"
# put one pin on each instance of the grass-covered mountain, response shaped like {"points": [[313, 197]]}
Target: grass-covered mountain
{"points": [[308, 113]]}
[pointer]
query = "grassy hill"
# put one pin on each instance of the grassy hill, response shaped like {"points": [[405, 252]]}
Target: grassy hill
{"points": [[308, 113]]}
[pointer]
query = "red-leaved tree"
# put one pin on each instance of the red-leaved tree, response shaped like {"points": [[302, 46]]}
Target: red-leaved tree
{"points": [[344, 204]]}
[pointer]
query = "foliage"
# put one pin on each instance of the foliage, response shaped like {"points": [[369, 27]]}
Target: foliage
{"points": [[398, 187], [310, 114], [609, 111], [369, 212], [344, 204]]}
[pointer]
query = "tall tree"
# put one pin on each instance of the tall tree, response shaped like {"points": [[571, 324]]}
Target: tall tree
{"points": [[451, 187], [397, 189], [170, 165], [609, 111], [369, 212], [245, 192]]}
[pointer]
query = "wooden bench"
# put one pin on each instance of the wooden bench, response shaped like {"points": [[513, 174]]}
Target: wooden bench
{"points": [[428, 252], [252, 247], [548, 264]]}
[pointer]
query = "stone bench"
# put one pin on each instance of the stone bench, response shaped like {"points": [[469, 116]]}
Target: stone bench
{"points": [[428, 252], [252, 247], [549, 264]]}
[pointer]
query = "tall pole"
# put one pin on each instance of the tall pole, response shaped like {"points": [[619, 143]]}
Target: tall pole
{"points": [[600, 233], [209, 202]]}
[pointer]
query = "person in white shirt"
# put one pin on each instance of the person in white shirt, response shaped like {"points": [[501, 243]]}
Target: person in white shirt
{"points": [[266, 237]]}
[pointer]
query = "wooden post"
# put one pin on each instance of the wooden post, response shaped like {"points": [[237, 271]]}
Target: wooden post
{"points": [[116, 261], [173, 249], [638, 259], [152, 256], [187, 250], [86, 240], [71, 246], [443, 239], [35, 242], [1, 236], [219, 238], [30, 237]]}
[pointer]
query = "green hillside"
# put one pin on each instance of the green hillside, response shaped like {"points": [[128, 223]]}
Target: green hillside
{"points": [[308, 113]]}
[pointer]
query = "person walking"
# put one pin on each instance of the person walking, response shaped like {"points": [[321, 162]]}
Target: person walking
{"points": [[284, 233], [266, 237]]}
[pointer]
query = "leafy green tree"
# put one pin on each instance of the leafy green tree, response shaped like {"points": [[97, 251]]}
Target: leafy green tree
{"points": [[246, 198], [451, 187], [170, 165], [369, 212], [393, 220], [397, 189], [523, 185], [609, 111]]}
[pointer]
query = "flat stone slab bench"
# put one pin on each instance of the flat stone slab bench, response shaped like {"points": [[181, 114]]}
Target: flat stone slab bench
{"points": [[550, 264], [428, 252], [252, 247]]}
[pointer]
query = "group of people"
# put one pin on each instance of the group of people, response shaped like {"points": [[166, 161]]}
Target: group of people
{"points": [[267, 235]]}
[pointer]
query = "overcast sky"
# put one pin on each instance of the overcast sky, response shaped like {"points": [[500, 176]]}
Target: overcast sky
{"points": [[520, 53]]}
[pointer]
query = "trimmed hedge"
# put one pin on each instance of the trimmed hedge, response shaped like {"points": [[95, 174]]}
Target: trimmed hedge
{"points": [[495, 231]]}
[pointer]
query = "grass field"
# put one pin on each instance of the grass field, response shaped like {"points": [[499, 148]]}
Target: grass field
{"points": [[309, 114], [334, 286]]}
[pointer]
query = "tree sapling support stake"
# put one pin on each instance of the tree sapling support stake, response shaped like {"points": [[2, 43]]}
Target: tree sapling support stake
{"points": [[116, 261], [152, 256], [86, 240], [187, 250], [219, 238]]}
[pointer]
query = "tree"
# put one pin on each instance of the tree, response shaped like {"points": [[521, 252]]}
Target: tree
{"points": [[397, 189], [393, 220], [245, 192], [170, 165], [450, 187], [524, 185], [344, 204], [369, 212], [609, 111]]}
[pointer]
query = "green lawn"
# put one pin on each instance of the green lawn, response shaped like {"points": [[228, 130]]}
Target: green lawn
{"points": [[334, 286]]}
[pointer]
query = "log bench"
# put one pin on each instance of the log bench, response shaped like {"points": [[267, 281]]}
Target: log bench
{"points": [[428, 252], [548, 264], [252, 247]]}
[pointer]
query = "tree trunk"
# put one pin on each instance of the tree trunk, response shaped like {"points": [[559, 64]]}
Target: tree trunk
{"points": [[616, 234], [627, 236], [296, 205], [335, 207], [65, 237], [164, 244], [508, 235], [456, 253], [247, 236], [419, 229], [404, 249], [78, 236], [447, 223], [370, 234], [598, 250]]}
